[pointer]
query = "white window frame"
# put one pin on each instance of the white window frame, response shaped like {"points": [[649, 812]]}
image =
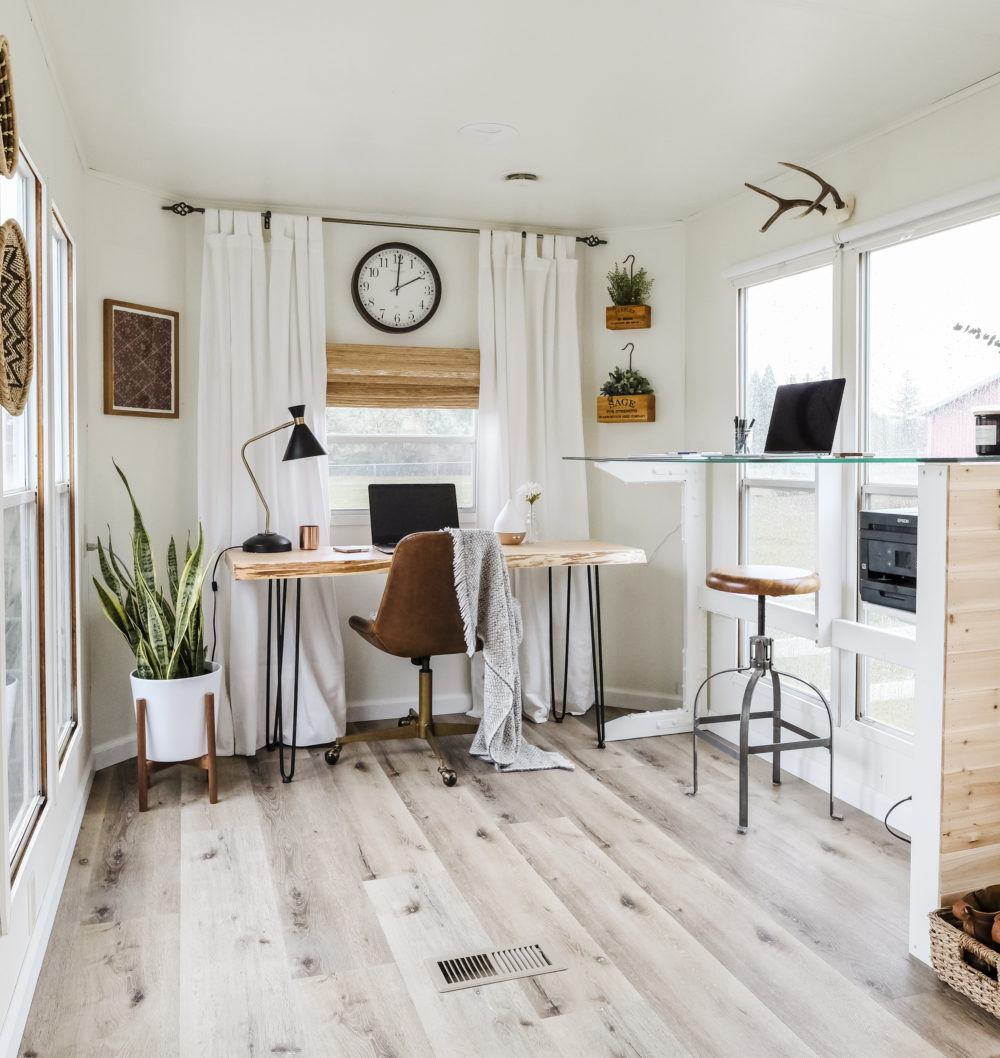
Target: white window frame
{"points": [[61, 476]]}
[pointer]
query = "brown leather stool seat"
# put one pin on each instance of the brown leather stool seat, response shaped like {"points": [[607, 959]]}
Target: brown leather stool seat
{"points": [[764, 582]]}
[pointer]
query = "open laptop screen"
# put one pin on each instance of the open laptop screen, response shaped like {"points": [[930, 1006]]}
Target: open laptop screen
{"points": [[804, 417], [398, 510]]}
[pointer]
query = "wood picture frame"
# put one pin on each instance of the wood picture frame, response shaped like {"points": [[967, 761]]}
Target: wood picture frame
{"points": [[141, 369]]}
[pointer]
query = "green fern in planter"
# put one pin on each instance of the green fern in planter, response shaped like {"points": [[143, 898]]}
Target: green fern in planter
{"points": [[165, 635], [624, 381], [631, 287]]}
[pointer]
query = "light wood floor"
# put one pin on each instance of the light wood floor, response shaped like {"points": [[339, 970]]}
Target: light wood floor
{"points": [[295, 919]]}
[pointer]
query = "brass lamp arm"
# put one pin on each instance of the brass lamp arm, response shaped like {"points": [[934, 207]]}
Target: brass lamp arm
{"points": [[243, 456]]}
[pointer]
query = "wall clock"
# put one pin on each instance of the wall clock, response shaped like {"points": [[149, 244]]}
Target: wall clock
{"points": [[396, 287]]}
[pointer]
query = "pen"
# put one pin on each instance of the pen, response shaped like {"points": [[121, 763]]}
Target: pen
{"points": [[750, 427]]}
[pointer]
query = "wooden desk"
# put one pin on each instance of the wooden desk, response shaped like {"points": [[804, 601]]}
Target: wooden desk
{"points": [[325, 562], [279, 569]]}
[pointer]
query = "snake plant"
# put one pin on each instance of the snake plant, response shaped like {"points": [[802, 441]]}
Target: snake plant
{"points": [[165, 633]]}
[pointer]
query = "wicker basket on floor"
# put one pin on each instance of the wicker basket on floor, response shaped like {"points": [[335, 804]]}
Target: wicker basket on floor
{"points": [[963, 963]]}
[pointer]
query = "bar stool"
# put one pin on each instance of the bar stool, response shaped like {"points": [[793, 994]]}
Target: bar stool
{"points": [[762, 581]]}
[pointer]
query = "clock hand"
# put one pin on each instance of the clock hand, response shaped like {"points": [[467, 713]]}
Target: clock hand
{"points": [[408, 282], [399, 265]]}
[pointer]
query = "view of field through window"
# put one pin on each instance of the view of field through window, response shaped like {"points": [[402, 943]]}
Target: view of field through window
{"points": [[413, 445]]}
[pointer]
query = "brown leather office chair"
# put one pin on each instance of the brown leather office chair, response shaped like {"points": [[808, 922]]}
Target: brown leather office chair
{"points": [[417, 618]]}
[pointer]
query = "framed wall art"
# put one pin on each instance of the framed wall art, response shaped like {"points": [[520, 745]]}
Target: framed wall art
{"points": [[140, 360]]}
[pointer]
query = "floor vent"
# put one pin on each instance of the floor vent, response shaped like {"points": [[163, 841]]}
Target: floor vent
{"points": [[490, 967]]}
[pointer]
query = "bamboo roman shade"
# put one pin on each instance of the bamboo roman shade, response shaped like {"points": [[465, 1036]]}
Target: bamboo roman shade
{"points": [[401, 376]]}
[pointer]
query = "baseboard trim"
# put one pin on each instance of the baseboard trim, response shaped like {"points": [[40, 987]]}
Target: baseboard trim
{"points": [[31, 968], [113, 752], [393, 708], [646, 701]]}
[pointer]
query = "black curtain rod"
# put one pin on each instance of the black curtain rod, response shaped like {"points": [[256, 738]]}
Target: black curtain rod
{"points": [[182, 209]]}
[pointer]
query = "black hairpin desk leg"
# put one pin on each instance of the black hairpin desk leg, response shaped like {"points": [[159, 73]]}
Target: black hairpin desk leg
{"points": [[558, 715], [596, 649], [275, 738]]}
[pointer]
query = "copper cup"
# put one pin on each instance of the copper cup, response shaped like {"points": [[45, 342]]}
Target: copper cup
{"points": [[308, 537]]}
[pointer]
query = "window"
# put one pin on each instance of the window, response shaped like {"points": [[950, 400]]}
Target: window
{"points": [[60, 566], [399, 444], [786, 336], [400, 413], [23, 727], [932, 355]]}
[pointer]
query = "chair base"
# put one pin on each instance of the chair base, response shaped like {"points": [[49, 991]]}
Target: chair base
{"points": [[420, 724], [760, 664]]}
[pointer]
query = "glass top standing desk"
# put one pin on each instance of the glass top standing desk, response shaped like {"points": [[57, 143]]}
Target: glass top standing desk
{"points": [[955, 653]]}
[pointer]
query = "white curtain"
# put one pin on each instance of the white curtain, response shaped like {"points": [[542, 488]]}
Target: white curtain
{"points": [[263, 348], [530, 416]]}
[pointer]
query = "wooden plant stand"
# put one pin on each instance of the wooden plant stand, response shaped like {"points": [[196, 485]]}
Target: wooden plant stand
{"points": [[148, 767]]}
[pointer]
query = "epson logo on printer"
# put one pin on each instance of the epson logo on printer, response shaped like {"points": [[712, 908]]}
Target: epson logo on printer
{"points": [[902, 521]]}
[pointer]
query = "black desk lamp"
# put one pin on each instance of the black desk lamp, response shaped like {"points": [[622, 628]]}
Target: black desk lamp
{"points": [[301, 445]]}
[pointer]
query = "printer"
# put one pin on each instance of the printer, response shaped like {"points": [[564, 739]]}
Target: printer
{"points": [[887, 558]]}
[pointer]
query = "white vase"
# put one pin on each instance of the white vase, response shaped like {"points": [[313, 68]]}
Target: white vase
{"points": [[510, 526], [531, 536], [175, 713]]}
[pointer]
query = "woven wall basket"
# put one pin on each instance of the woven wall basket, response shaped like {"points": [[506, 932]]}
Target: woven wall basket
{"points": [[17, 340], [9, 150]]}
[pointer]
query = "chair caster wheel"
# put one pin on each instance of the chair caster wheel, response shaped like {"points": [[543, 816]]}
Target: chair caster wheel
{"points": [[448, 777], [332, 755]]}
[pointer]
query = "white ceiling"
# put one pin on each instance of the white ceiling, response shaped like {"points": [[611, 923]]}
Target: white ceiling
{"points": [[630, 111]]}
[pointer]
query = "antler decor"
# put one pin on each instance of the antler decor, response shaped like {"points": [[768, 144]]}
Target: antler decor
{"points": [[842, 209]]}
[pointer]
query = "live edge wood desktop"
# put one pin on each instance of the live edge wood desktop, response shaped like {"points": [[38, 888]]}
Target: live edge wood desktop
{"points": [[279, 569], [955, 653]]}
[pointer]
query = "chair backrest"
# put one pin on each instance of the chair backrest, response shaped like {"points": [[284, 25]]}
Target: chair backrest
{"points": [[419, 616]]}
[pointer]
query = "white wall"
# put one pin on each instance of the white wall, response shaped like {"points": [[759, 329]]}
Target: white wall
{"points": [[641, 605], [29, 906], [933, 155], [136, 254]]}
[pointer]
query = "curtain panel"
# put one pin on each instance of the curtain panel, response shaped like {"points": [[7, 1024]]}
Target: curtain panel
{"points": [[530, 416], [262, 348]]}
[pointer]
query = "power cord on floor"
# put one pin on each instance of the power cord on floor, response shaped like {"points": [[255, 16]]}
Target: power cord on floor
{"points": [[895, 833]]}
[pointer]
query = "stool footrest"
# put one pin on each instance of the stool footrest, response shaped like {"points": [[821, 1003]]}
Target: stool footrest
{"points": [[810, 743], [719, 742], [730, 717]]}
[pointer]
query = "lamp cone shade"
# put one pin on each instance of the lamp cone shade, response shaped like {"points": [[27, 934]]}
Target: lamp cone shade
{"points": [[303, 442]]}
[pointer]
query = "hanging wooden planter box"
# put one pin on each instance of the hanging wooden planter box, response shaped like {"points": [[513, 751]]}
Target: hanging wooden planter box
{"points": [[639, 407], [627, 317]]}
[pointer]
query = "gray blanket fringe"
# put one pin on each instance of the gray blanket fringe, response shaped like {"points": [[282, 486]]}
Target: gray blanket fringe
{"points": [[492, 614]]}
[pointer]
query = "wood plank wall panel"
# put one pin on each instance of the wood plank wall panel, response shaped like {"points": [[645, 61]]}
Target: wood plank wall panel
{"points": [[970, 790]]}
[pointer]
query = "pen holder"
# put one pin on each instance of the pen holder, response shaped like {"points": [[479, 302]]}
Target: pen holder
{"points": [[741, 441], [308, 537]]}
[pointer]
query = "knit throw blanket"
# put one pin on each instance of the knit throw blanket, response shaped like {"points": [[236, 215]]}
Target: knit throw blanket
{"points": [[492, 614]]}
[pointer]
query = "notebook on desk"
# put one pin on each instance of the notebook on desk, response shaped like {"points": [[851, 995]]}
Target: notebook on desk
{"points": [[397, 510], [804, 418]]}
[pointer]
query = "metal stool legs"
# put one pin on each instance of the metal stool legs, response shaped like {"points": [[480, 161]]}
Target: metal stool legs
{"points": [[760, 664]]}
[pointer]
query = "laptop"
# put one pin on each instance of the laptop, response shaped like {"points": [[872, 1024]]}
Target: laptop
{"points": [[804, 417], [397, 510]]}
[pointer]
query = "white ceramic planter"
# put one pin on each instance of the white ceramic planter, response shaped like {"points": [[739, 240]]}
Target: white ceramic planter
{"points": [[175, 714]]}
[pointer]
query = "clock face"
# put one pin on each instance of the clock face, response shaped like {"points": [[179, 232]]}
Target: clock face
{"points": [[396, 287]]}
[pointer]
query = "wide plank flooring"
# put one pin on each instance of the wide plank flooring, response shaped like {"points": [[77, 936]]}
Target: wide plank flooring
{"points": [[297, 919]]}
